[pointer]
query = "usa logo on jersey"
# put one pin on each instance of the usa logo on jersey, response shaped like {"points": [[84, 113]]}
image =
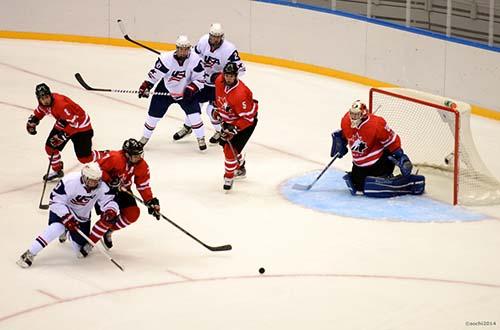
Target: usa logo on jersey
{"points": [[210, 61], [81, 200], [177, 76]]}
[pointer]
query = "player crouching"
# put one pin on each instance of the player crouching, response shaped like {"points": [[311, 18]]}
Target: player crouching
{"points": [[376, 151], [71, 203]]}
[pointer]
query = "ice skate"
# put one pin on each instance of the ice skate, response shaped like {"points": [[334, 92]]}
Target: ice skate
{"points": [[240, 173], [185, 130], [53, 175], [202, 144], [26, 259], [84, 251], [215, 138], [143, 141], [63, 237], [228, 184], [106, 240]]}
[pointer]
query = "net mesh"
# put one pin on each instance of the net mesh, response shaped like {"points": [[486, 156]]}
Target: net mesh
{"points": [[429, 138]]}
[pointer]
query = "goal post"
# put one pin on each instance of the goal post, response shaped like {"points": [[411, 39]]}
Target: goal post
{"points": [[435, 133]]}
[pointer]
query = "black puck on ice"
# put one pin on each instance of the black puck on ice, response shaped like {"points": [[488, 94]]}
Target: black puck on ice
{"points": [[261, 270]]}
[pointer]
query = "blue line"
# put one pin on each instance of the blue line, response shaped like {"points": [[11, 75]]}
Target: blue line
{"points": [[427, 33]]}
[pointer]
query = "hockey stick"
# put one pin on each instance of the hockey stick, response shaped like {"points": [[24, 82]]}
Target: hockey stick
{"points": [[309, 186], [82, 82], [125, 35], [100, 249], [211, 248], [234, 152], [41, 205]]}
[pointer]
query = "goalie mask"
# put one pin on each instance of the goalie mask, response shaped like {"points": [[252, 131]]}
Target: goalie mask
{"points": [[358, 113], [183, 47], [91, 175], [215, 35]]}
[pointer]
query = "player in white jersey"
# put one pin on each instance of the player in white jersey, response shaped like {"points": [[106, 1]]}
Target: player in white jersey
{"points": [[71, 203], [179, 73], [215, 53]]}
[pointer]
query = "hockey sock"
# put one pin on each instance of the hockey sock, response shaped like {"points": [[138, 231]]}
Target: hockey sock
{"points": [[99, 229], [56, 163], [215, 123], [187, 122], [230, 162], [50, 233], [128, 216], [197, 124], [149, 126]]}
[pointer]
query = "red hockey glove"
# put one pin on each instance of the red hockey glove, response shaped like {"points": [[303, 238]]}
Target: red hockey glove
{"points": [[216, 115], [58, 139], [154, 207], [109, 217], [189, 91], [31, 124], [145, 88], [70, 222]]}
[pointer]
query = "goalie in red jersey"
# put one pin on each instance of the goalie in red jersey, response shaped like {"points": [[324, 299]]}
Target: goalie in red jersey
{"points": [[72, 123], [119, 169], [376, 151], [237, 110]]}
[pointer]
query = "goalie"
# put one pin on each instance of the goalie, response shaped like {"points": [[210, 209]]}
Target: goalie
{"points": [[376, 151]]}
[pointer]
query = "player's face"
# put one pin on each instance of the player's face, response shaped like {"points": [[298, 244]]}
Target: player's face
{"points": [[91, 184], [183, 52], [134, 159], [229, 79], [45, 100], [214, 41]]}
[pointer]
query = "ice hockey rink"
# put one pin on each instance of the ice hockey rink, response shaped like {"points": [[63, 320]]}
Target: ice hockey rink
{"points": [[324, 269]]}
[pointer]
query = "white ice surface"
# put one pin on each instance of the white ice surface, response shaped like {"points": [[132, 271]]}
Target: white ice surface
{"points": [[322, 271]]}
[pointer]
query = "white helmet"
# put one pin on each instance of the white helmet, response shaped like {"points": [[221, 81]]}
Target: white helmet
{"points": [[183, 42], [91, 175], [358, 112], [216, 30]]}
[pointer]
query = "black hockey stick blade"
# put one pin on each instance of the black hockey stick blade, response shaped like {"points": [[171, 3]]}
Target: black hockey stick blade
{"points": [[126, 36], [43, 206], [219, 248], [298, 186], [82, 82]]}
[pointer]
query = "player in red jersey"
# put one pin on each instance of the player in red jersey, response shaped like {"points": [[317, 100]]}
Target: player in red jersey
{"points": [[376, 150], [119, 169], [237, 110], [72, 123]]}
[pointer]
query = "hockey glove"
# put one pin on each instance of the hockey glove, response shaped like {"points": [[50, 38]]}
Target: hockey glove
{"points": [[216, 115], [58, 139], [339, 144], [402, 161], [189, 91], [31, 124], [145, 88], [154, 207], [109, 217], [115, 184], [70, 222], [228, 131]]}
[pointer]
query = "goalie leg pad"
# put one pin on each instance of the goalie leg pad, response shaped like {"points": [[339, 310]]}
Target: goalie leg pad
{"points": [[395, 186], [348, 181]]}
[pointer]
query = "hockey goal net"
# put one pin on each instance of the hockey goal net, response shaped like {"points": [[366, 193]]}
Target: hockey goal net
{"points": [[438, 140]]}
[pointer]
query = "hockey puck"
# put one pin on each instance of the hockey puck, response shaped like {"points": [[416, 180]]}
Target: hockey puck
{"points": [[261, 270]]}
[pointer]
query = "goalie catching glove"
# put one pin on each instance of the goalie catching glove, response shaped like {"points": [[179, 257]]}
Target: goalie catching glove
{"points": [[154, 207], [402, 161]]}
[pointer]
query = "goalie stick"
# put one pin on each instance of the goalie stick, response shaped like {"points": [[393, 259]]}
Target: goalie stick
{"points": [[211, 248], [82, 82], [309, 186], [125, 35]]}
